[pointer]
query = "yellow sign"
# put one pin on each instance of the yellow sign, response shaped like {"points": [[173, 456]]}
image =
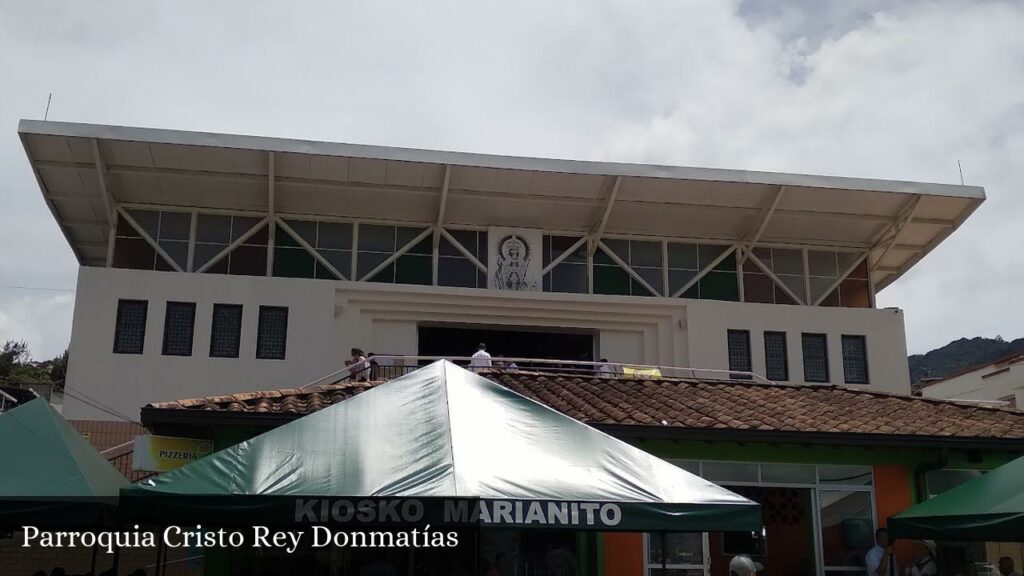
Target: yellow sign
{"points": [[163, 453], [641, 372]]}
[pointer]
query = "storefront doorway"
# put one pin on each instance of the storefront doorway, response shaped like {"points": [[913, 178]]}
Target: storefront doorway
{"points": [[455, 340], [819, 520]]}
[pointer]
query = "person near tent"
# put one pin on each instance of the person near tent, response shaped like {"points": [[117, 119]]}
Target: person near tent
{"points": [[481, 358], [358, 366], [880, 559], [742, 566], [1006, 567], [924, 563]]}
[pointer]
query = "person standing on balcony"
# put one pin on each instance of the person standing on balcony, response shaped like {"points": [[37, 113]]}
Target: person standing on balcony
{"points": [[358, 367], [481, 358]]}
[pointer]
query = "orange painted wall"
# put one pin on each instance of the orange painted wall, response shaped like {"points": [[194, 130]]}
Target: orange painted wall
{"points": [[623, 554], [894, 489]]}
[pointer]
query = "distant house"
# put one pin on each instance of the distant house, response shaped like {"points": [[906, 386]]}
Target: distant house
{"points": [[999, 381]]}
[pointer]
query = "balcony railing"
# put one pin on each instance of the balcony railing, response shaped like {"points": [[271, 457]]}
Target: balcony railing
{"points": [[388, 367]]}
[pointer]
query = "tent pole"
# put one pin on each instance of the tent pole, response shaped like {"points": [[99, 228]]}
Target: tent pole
{"points": [[156, 567], [664, 552]]}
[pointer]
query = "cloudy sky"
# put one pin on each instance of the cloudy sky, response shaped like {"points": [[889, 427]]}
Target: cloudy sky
{"points": [[880, 89]]}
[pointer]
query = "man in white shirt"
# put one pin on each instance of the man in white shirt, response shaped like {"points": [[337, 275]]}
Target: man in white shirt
{"points": [[481, 359], [880, 560]]}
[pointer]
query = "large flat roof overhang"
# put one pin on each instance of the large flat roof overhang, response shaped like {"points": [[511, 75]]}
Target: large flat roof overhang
{"points": [[84, 170]]}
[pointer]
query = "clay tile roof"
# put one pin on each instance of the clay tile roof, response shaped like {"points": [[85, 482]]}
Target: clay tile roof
{"points": [[687, 404]]}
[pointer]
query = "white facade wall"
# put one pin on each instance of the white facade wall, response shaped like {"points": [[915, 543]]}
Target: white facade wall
{"points": [[327, 318], [991, 383]]}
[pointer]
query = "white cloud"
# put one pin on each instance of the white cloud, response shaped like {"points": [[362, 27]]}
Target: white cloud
{"points": [[897, 89]]}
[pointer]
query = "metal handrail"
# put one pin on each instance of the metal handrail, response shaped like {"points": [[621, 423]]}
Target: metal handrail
{"points": [[588, 366]]}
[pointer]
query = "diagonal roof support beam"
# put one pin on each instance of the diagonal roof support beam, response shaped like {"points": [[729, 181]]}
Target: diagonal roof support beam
{"points": [[109, 206], [598, 229], [766, 217], [442, 205], [897, 228]]}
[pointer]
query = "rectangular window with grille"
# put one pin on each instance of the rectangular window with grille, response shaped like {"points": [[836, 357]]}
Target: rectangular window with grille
{"points": [[226, 330], [179, 326], [739, 350], [815, 349], [130, 329], [776, 358], [855, 360], [272, 333]]}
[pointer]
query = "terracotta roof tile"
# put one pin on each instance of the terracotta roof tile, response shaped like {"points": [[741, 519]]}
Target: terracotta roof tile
{"points": [[685, 403]]}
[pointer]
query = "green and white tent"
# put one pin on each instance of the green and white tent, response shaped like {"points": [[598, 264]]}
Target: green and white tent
{"points": [[441, 445], [988, 508], [49, 474]]}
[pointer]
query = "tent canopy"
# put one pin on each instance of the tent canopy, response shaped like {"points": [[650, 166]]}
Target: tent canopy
{"points": [[988, 508], [438, 433], [51, 473]]}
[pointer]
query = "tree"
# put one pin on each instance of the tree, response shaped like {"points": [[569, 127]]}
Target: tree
{"points": [[13, 353]]}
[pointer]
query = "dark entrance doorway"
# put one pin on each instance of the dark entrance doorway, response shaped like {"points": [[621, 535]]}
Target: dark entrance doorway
{"points": [[455, 341]]}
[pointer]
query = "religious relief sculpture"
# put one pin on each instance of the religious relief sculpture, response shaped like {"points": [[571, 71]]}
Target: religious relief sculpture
{"points": [[513, 264]]}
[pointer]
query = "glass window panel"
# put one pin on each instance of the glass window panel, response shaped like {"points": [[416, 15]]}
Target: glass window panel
{"points": [[305, 230], [213, 228], [619, 247], [782, 297], [241, 224], [739, 350], [284, 238], [134, 253], [374, 238], [424, 247], [481, 279], [322, 273], [569, 278], [854, 293], [728, 264], [385, 276], [719, 286], [175, 225], [457, 272], [340, 259], [675, 572], [248, 261], [259, 238], [785, 261], [611, 280], [730, 471], [601, 257], [776, 356], [709, 252], [679, 549], [846, 259], [178, 251], [758, 288], [272, 333], [414, 269], [815, 352], [855, 359], [481, 247], [559, 244], [679, 278], [334, 236], [220, 267], [832, 299], [149, 220], [939, 481], [819, 286], [126, 230], [293, 263], [206, 252], [179, 326], [795, 285], [847, 527], [638, 289], [642, 253], [682, 256], [368, 261], [822, 263], [467, 238], [130, 326], [226, 331], [406, 234], [788, 473], [765, 256], [653, 277], [849, 475], [861, 271]]}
